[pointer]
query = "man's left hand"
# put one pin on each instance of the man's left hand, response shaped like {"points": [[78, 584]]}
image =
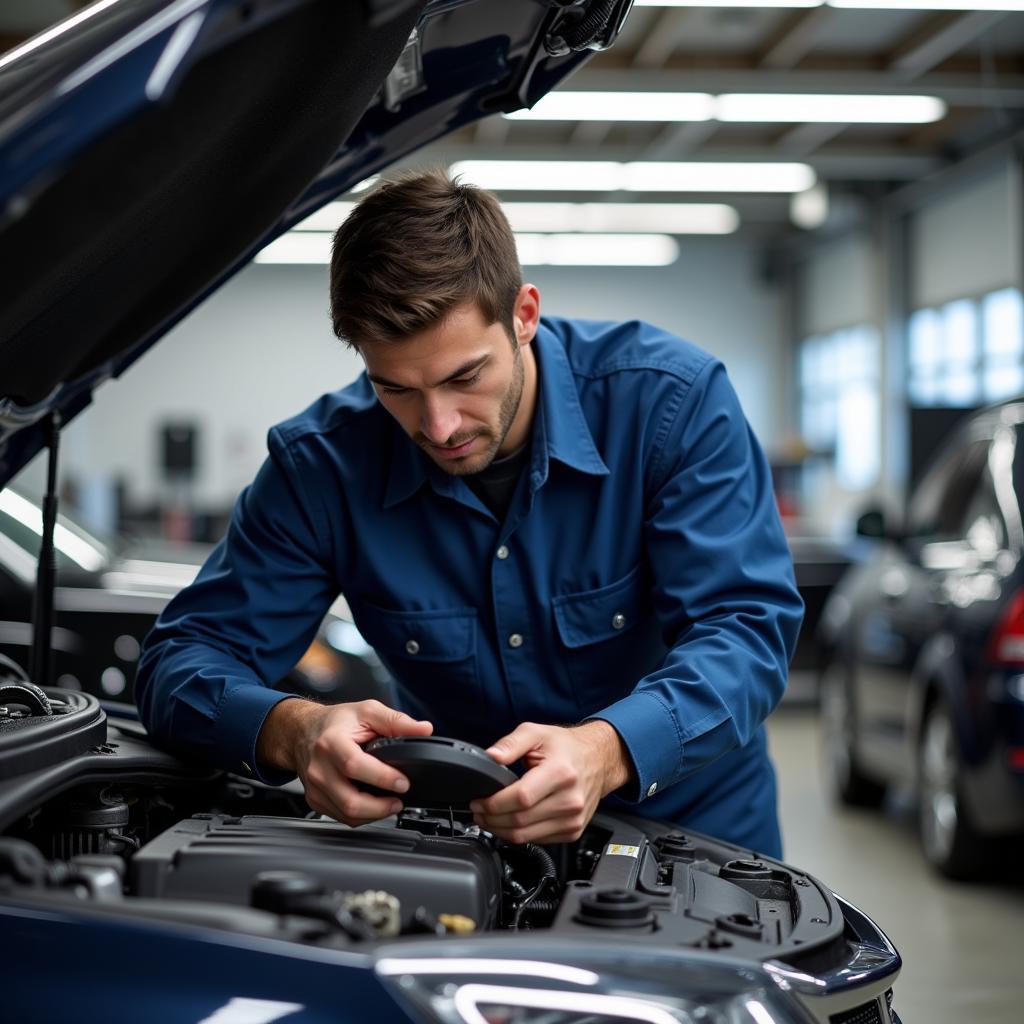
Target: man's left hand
{"points": [[569, 771]]}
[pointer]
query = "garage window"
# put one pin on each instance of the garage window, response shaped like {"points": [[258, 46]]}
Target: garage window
{"points": [[967, 352], [840, 402]]}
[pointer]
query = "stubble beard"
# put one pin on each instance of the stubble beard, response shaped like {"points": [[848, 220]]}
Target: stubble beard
{"points": [[510, 402]]}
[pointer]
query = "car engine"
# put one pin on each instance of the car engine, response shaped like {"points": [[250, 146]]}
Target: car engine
{"points": [[93, 813]]}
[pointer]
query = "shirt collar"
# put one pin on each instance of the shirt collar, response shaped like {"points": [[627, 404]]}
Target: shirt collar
{"points": [[560, 432]]}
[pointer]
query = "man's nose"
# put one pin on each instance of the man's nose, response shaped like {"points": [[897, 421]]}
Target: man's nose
{"points": [[440, 419]]}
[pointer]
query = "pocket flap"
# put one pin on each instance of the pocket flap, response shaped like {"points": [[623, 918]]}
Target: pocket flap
{"points": [[445, 635], [591, 616]]}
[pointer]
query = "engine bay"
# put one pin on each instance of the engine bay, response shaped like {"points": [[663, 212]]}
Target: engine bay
{"points": [[122, 827]]}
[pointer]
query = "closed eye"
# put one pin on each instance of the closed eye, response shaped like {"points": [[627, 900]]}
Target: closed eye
{"points": [[467, 381]]}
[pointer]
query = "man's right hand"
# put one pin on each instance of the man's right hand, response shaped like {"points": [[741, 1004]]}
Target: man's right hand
{"points": [[323, 745]]}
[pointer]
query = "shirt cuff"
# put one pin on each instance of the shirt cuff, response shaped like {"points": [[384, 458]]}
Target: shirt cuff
{"points": [[241, 717], [649, 731]]}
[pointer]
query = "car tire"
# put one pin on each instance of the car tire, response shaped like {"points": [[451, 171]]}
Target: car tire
{"points": [[845, 780], [949, 842]]}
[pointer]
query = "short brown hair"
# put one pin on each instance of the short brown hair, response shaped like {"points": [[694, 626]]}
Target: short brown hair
{"points": [[414, 249]]}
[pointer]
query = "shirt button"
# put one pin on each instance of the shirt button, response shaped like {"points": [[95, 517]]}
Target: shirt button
{"points": [[502, 552], [618, 620], [515, 640], [411, 647], [652, 789]]}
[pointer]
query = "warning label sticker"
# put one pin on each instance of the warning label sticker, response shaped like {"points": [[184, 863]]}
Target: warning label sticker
{"points": [[618, 850]]}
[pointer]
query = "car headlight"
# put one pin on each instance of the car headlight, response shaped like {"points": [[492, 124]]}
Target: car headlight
{"points": [[553, 988]]}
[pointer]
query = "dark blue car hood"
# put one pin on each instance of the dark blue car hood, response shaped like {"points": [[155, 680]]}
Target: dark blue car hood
{"points": [[150, 151]]}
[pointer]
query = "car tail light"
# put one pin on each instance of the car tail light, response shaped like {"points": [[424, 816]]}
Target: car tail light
{"points": [[1006, 645]]}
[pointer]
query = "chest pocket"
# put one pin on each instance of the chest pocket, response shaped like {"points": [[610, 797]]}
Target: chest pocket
{"points": [[609, 638], [424, 650]]}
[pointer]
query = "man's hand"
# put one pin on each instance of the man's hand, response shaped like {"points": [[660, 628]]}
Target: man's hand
{"points": [[322, 743], [569, 771]]}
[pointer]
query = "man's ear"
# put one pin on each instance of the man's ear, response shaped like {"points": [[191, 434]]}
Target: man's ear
{"points": [[526, 313]]}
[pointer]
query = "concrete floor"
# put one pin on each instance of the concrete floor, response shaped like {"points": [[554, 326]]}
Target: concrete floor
{"points": [[961, 943]]}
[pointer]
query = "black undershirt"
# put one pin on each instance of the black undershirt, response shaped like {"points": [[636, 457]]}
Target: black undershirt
{"points": [[496, 484]]}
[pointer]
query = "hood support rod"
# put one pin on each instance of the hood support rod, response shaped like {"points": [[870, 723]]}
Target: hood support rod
{"points": [[46, 571]]}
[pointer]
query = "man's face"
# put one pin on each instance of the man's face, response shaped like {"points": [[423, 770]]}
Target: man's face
{"points": [[457, 388]]}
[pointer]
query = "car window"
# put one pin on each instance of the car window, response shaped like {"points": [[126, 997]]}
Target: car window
{"points": [[983, 525], [21, 523], [939, 507]]}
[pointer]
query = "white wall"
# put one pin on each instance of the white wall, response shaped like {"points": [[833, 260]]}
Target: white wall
{"points": [[838, 287], [968, 241], [261, 349]]}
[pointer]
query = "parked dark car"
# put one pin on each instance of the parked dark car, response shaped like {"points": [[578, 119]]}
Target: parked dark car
{"points": [[110, 591], [154, 150], [925, 680]]}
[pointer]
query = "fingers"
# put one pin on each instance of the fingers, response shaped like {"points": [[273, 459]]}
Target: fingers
{"points": [[517, 743], [332, 794], [536, 785], [559, 829], [567, 804], [385, 721]]}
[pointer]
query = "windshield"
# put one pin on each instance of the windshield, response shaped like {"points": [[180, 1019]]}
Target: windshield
{"points": [[21, 521]]}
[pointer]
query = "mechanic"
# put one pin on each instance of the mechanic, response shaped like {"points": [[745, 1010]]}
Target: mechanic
{"points": [[560, 536]]}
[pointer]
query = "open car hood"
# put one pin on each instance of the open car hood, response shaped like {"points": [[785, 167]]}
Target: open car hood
{"points": [[150, 149]]}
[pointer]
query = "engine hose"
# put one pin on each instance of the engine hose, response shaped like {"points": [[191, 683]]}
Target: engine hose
{"points": [[542, 860], [542, 906], [586, 30]]}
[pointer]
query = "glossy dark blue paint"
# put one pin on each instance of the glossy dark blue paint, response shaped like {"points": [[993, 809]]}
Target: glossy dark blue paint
{"points": [[472, 71], [167, 974]]}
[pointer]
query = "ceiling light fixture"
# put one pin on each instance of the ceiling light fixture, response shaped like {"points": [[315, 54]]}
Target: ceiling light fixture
{"points": [[619, 106], [888, 5], [586, 250], [656, 176], [727, 3], [535, 249], [665, 218], [607, 218], [764, 107], [801, 107]]}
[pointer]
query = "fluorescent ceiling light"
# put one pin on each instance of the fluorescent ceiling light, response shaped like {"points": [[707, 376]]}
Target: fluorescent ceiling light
{"points": [[662, 218], [586, 250], [620, 106], [608, 250], [930, 5], [727, 3], [666, 218], [770, 107], [889, 5], [660, 176], [297, 247], [327, 218]]}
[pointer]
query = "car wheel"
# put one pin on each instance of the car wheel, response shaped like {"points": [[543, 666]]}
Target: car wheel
{"points": [[949, 842], [844, 778]]}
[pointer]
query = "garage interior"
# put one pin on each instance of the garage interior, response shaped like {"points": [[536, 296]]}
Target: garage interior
{"points": [[858, 265]]}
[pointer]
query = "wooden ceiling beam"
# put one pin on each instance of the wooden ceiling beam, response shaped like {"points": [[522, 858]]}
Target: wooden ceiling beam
{"points": [[797, 38], [663, 39], [918, 55], [955, 88], [800, 141]]}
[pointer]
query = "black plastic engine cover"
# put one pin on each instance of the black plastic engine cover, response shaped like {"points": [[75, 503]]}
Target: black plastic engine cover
{"points": [[217, 858], [40, 740]]}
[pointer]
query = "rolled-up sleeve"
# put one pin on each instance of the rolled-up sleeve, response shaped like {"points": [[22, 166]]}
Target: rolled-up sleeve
{"points": [[205, 676], [724, 591]]}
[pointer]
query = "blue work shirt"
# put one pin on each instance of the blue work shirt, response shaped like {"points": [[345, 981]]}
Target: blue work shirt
{"points": [[640, 576]]}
